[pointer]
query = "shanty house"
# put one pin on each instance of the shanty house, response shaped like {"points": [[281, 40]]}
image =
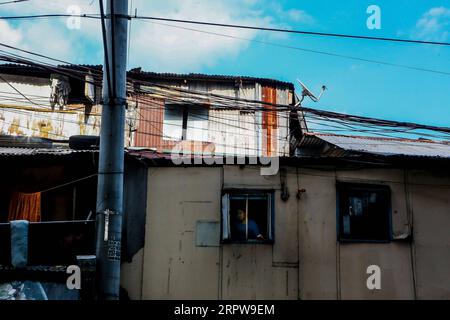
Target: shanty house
{"points": [[54, 187], [343, 208], [193, 113]]}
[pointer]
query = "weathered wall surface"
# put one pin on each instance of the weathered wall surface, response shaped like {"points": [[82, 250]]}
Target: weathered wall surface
{"points": [[305, 261], [333, 270], [174, 268], [430, 205], [33, 116], [261, 271], [231, 131], [317, 236]]}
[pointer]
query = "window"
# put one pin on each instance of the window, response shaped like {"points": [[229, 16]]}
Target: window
{"points": [[185, 122], [247, 217], [364, 212], [173, 122]]}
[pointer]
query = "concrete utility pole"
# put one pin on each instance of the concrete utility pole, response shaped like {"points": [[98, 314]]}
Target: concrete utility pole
{"points": [[111, 162]]}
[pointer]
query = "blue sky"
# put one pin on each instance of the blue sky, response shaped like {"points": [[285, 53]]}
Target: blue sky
{"points": [[353, 86]]}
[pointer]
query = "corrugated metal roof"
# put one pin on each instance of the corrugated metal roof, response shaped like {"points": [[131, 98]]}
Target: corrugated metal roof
{"points": [[15, 152], [205, 77], [26, 70], [12, 68], [388, 146]]}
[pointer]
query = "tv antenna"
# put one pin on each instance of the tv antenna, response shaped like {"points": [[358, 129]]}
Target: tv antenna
{"points": [[307, 93]]}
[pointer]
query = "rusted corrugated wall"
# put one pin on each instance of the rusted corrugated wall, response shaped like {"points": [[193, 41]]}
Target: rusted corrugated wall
{"points": [[149, 124], [149, 131], [269, 123]]}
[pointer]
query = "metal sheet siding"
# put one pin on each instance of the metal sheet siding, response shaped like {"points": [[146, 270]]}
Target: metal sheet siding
{"points": [[149, 132], [269, 123], [283, 97], [150, 117]]}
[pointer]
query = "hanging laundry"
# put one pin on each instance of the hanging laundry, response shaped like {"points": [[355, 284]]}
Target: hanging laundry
{"points": [[25, 206]]}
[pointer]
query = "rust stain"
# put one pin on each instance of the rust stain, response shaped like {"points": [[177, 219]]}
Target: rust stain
{"points": [[270, 122], [45, 128], [14, 128], [81, 124]]}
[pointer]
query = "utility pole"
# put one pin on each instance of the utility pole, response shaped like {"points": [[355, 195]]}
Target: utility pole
{"points": [[111, 159]]}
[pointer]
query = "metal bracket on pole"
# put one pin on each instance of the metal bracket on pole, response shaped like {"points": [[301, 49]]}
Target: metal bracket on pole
{"points": [[106, 213]]}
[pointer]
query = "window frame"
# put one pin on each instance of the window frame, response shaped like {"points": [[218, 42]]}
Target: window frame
{"points": [[186, 112], [270, 217], [340, 186]]}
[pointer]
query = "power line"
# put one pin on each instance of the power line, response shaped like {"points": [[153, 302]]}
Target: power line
{"points": [[347, 117], [15, 89], [358, 130], [45, 57], [338, 35], [261, 42], [55, 15], [149, 121], [225, 25], [15, 1], [236, 101], [374, 121], [307, 50]]}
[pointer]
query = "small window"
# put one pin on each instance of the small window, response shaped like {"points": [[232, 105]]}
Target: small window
{"points": [[185, 122], [364, 212], [247, 217]]}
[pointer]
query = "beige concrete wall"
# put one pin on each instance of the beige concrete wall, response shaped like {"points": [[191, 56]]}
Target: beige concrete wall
{"points": [[263, 271], [317, 235], [429, 195], [331, 270], [174, 268], [394, 261], [305, 261]]}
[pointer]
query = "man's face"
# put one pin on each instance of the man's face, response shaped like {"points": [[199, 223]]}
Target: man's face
{"points": [[241, 215]]}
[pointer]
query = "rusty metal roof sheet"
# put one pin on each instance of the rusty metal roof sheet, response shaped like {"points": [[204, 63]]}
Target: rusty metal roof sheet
{"points": [[15, 152], [387, 146]]}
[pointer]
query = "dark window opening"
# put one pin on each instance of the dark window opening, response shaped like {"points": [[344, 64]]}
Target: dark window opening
{"points": [[60, 200], [364, 212], [247, 217]]}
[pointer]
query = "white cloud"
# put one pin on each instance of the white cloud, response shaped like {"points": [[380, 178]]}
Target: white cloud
{"points": [[45, 39], [153, 46], [8, 34], [51, 36], [164, 48], [434, 25], [173, 49], [300, 16]]}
